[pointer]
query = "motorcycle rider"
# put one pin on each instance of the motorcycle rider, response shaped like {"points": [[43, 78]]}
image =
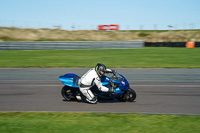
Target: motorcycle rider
{"points": [[91, 78]]}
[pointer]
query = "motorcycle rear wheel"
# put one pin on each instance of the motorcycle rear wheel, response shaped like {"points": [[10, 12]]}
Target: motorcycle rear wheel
{"points": [[68, 93]]}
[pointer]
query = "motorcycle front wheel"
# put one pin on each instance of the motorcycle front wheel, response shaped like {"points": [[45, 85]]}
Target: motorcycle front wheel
{"points": [[130, 95]]}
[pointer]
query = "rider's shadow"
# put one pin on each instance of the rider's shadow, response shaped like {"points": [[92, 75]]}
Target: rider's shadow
{"points": [[108, 101]]}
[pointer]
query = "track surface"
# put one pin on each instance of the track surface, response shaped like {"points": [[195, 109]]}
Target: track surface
{"points": [[159, 91]]}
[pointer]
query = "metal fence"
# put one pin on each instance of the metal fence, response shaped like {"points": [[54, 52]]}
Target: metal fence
{"points": [[71, 45], [77, 26]]}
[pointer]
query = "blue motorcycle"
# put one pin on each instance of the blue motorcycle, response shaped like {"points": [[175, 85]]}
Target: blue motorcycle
{"points": [[116, 82]]}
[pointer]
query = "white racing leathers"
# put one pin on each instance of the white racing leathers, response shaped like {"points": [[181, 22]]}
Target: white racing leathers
{"points": [[88, 80]]}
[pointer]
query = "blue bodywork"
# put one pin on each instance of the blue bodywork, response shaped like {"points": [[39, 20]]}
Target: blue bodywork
{"points": [[119, 80], [68, 79]]}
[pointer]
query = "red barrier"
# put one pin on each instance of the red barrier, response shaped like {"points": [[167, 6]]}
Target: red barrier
{"points": [[108, 27]]}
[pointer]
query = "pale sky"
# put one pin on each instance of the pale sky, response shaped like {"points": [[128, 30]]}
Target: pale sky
{"points": [[87, 14]]}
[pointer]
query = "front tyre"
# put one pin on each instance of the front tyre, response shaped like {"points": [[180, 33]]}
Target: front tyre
{"points": [[68, 93], [130, 95]]}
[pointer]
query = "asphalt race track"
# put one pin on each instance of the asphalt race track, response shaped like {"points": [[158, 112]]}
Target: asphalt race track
{"points": [[159, 91]]}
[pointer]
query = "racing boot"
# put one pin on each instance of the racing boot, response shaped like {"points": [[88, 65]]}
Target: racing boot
{"points": [[92, 101]]}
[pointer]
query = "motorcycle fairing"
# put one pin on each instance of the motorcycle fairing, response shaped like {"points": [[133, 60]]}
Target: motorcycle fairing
{"points": [[70, 79]]}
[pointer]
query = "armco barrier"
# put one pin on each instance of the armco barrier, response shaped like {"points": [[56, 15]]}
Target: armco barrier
{"points": [[71, 45]]}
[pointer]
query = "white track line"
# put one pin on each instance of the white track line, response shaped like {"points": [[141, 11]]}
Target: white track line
{"points": [[130, 85]]}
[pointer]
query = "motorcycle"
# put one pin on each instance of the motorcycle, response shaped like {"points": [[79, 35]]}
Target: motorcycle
{"points": [[118, 84]]}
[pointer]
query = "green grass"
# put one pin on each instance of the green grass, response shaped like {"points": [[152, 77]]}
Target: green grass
{"points": [[59, 122], [114, 58]]}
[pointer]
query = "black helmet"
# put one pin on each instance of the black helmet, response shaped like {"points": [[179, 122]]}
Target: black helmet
{"points": [[100, 67]]}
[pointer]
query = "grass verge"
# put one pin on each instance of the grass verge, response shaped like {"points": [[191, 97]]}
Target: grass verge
{"points": [[58, 122], [114, 58]]}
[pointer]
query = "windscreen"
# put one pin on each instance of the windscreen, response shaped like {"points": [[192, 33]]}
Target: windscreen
{"points": [[117, 77]]}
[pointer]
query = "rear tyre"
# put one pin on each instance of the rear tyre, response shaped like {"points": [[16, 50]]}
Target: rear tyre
{"points": [[68, 93], [130, 95]]}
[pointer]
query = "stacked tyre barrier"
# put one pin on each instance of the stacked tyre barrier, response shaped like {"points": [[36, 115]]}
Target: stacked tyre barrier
{"points": [[169, 44]]}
